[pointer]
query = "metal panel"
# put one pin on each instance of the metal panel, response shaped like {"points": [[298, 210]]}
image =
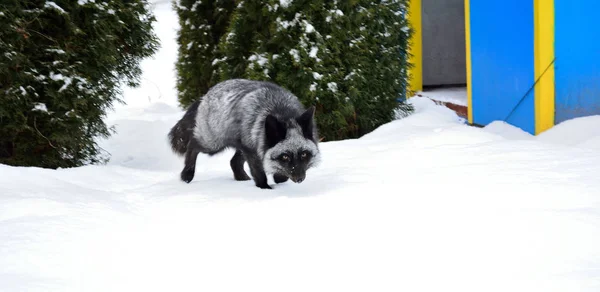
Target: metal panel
{"points": [[577, 46], [502, 47]]}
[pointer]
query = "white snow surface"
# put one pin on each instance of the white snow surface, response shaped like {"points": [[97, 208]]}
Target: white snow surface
{"points": [[295, 54], [285, 3], [583, 132], [50, 4], [507, 131], [309, 28], [261, 60], [455, 95], [39, 106], [313, 52], [424, 203]]}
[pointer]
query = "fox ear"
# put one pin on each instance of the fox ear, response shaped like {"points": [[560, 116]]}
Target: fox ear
{"points": [[305, 120], [275, 131]]}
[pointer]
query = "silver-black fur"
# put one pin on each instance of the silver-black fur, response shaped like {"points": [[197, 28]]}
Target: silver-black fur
{"points": [[266, 124]]}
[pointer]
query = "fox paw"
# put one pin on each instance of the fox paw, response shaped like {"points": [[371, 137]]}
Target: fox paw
{"points": [[241, 177], [264, 186], [187, 176]]}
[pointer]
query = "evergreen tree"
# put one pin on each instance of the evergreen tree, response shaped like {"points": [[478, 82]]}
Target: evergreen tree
{"points": [[61, 68], [349, 58], [203, 23], [249, 22]]}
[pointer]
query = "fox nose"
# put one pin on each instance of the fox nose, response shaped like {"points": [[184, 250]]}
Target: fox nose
{"points": [[298, 178]]}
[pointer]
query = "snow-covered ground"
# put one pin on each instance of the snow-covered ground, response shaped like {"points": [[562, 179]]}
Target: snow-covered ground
{"points": [[455, 95], [425, 203]]}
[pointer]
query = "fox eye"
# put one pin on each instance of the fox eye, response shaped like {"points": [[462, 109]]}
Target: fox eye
{"points": [[304, 155], [285, 157]]}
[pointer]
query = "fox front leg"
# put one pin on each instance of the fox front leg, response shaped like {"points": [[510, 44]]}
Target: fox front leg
{"points": [[256, 170]]}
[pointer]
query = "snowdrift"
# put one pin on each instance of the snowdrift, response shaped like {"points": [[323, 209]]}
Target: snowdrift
{"points": [[425, 203]]}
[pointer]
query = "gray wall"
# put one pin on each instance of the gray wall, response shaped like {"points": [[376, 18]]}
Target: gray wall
{"points": [[444, 60]]}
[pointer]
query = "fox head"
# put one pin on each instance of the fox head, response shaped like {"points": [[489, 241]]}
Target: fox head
{"points": [[291, 145]]}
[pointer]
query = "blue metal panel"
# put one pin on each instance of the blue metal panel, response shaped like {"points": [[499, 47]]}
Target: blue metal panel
{"points": [[502, 60], [577, 49]]}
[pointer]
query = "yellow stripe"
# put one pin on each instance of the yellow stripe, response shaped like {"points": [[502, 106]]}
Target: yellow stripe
{"points": [[468, 53], [416, 47], [544, 54]]}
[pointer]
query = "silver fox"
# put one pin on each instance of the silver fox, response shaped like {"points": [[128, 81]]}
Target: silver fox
{"points": [[266, 124]]}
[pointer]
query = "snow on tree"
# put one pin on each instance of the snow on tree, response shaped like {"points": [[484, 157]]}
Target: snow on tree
{"points": [[61, 67]]}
